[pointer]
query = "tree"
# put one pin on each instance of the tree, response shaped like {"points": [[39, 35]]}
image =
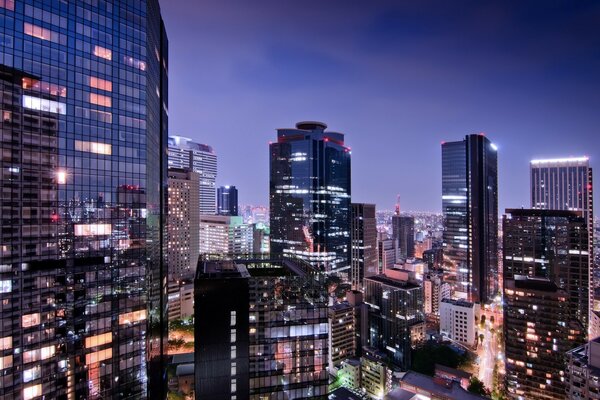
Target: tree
{"points": [[425, 357], [492, 319], [483, 321], [477, 387]]}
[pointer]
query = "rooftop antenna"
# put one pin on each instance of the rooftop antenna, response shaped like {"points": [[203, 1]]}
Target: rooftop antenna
{"points": [[398, 205]]}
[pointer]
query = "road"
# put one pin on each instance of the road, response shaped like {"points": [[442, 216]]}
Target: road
{"points": [[488, 355]]}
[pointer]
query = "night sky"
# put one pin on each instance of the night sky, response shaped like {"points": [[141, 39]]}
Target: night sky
{"points": [[397, 77]]}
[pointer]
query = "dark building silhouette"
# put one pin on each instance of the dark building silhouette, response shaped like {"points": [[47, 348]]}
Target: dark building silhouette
{"points": [[310, 197], [263, 331], [470, 207], [403, 232], [364, 243], [227, 200], [83, 110]]}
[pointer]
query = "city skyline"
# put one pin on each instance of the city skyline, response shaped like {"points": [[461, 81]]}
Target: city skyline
{"points": [[397, 79]]}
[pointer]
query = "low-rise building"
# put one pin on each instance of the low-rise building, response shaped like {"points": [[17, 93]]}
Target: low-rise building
{"points": [[435, 388], [458, 321], [375, 376], [349, 373], [582, 376]]}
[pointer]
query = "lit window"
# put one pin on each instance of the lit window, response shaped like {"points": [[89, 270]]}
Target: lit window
{"points": [[37, 31], [133, 62], [92, 229], [100, 100], [98, 340], [44, 87], [36, 103], [98, 356], [100, 84], [32, 373], [61, 177], [102, 52], [6, 343], [38, 354], [6, 362], [32, 392], [5, 286], [8, 4], [93, 147], [29, 320], [132, 317]]}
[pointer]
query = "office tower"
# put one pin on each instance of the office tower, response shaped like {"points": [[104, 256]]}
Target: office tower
{"points": [[434, 291], [396, 304], [200, 158], [227, 200], [181, 300], [582, 376], [537, 332], [260, 238], [184, 219], [566, 184], [470, 207], [551, 244], [222, 234], [310, 197], [386, 252], [434, 258], [363, 232], [458, 320], [403, 231], [361, 319], [342, 343], [270, 339], [82, 269]]}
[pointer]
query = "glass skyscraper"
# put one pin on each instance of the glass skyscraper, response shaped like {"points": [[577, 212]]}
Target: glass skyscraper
{"points": [[470, 207], [83, 202], [310, 196], [227, 200]]}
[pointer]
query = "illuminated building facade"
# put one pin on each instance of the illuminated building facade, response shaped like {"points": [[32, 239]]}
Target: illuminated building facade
{"points": [[310, 197], [270, 339], [403, 231], [83, 220], [566, 184], [200, 158], [227, 200], [223, 234], [184, 219], [551, 244], [470, 207], [364, 243], [537, 332], [386, 252], [342, 334]]}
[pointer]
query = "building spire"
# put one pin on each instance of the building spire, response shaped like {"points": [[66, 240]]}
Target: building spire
{"points": [[397, 205]]}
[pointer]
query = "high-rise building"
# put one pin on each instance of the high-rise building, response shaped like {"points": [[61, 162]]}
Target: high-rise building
{"points": [[403, 231], [458, 320], [227, 200], [566, 184], [270, 339], [396, 305], [434, 291], [386, 252], [310, 197], [184, 241], [84, 121], [551, 244], [200, 158], [470, 207], [342, 328], [223, 234], [582, 376], [537, 336], [364, 243]]}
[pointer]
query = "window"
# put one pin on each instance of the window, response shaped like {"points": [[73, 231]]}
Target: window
{"points": [[5, 286], [98, 356], [93, 147], [36, 103], [38, 354], [32, 373], [100, 100], [32, 392], [6, 362], [29, 320], [98, 340], [6, 343], [134, 62], [100, 84], [44, 34], [8, 4], [132, 317], [44, 87], [102, 52], [92, 229]]}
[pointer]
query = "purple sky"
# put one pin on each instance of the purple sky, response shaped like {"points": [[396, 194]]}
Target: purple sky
{"points": [[397, 77]]}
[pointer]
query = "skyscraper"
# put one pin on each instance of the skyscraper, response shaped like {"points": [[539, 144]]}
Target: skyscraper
{"points": [[566, 184], [227, 200], [310, 196], [364, 243], [403, 231], [82, 269], [223, 234], [270, 339], [184, 219], [470, 207], [200, 158]]}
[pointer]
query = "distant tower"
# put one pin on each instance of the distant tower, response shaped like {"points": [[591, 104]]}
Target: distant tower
{"points": [[470, 207], [310, 196], [364, 243], [227, 200]]}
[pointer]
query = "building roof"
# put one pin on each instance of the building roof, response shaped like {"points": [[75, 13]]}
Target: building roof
{"points": [[453, 371], [231, 266], [406, 285], [437, 386], [343, 393], [184, 370], [400, 394], [341, 306], [183, 358], [459, 303]]}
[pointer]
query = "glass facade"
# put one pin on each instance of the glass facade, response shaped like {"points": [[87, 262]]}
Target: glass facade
{"points": [[227, 200], [364, 243], [403, 230], [310, 196], [470, 207], [270, 339], [83, 164]]}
